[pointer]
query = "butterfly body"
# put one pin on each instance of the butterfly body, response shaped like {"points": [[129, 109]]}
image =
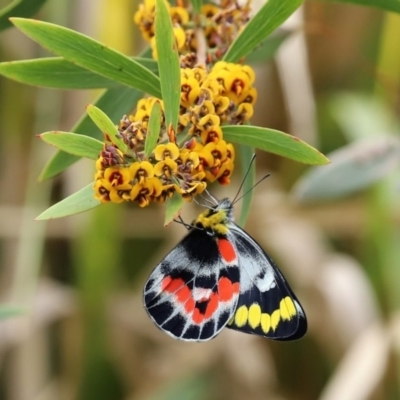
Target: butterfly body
{"points": [[217, 277]]}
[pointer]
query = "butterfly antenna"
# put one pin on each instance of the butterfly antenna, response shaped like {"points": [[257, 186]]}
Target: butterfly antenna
{"points": [[211, 203], [180, 220], [213, 200], [244, 179], [245, 193]]}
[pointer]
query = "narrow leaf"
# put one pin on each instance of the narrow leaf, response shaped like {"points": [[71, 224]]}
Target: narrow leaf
{"points": [[267, 49], [197, 4], [115, 102], [8, 311], [90, 54], [56, 72], [168, 64], [106, 126], [78, 202], [386, 5], [78, 145], [267, 19], [153, 129], [18, 8], [173, 208], [353, 168], [249, 178], [275, 142]]}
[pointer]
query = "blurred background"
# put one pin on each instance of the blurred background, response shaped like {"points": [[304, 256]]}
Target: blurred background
{"points": [[72, 322]]}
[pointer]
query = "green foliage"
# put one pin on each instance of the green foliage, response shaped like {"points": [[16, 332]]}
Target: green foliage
{"points": [[18, 8], [366, 227], [197, 5], [106, 126], [173, 206], [275, 142], [170, 73], [78, 145], [78, 202], [267, 19], [386, 5], [86, 63], [59, 73], [114, 102], [153, 129], [267, 49], [90, 54], [248, 172]]}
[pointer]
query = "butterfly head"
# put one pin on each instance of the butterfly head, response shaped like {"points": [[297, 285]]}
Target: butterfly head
{"points": [[215, 220]]}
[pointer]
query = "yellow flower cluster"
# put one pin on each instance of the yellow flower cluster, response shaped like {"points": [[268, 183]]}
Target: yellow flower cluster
{"points": [[144, 182], [211, 95], [185, 162], [220, 23]]}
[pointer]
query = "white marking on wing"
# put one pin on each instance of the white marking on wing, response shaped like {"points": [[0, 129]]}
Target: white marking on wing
{"points": [[201, 294]]}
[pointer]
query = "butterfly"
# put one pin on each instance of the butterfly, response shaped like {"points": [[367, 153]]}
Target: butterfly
{"points": [[218, 276]]}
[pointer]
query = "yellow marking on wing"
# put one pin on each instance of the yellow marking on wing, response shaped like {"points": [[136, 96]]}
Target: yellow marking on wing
{"points": [[254, 315], [216, 222], [241, 316], [287, 308], [265, 322], [275, 318]]}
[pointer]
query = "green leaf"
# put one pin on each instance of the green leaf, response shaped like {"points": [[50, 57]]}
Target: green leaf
{"points": [[148, 63], [90, 54], [275, 142], [78, 202], [56, 72], [8, 311], [267, 19], [173, 208], [153, 129], [18, 8], [246, 156], [197, 4], [78, 145], [168, 65], [106, 126], [115, 102], [267, 49], [353, 168], [387, 5]]}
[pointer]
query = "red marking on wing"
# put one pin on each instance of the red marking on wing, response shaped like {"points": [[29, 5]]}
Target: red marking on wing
{"points": [[212, 306], [172, 285], [197, 316], [184, 296], [165, 282], [227, 289], [181, 292], [226, 250], [189, 306]]}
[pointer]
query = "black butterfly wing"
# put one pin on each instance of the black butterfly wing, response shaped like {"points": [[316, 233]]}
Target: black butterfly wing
{"points": [[193, 292], [267, 306]]}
